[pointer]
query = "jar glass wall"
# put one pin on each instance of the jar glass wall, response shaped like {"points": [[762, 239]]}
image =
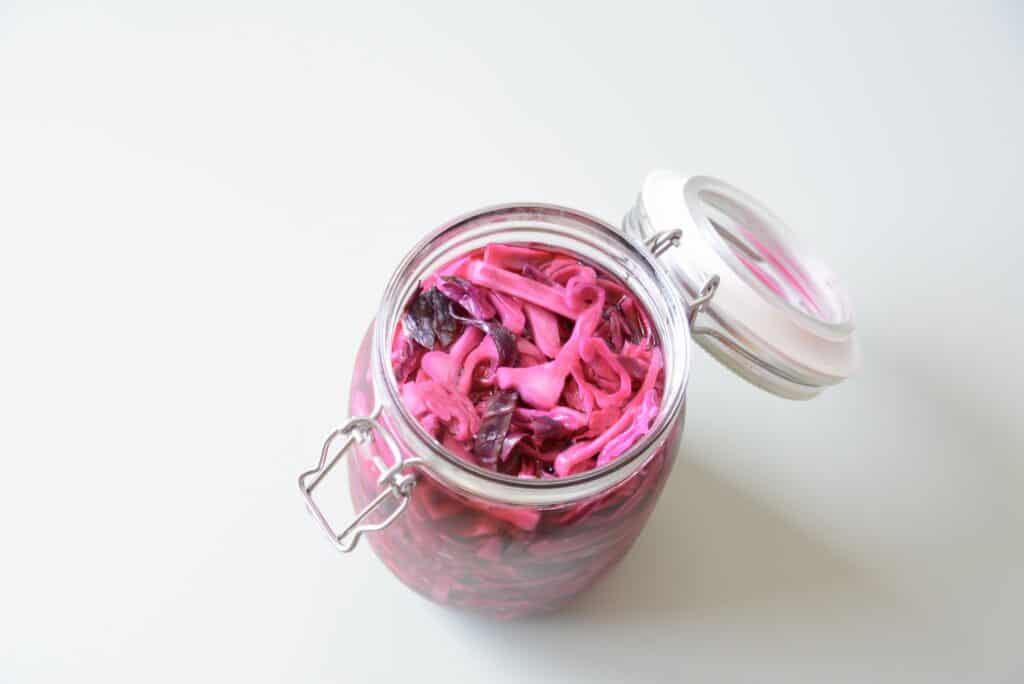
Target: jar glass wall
{"points": [[487, 542]]}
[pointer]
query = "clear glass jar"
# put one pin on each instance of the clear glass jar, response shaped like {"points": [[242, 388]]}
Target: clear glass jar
{"points": [[509, 547]]}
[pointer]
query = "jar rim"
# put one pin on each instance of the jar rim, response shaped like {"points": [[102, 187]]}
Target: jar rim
{"points": [[592, 240]]}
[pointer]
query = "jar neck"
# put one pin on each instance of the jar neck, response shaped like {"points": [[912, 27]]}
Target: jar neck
{"points": [[561, 229]]}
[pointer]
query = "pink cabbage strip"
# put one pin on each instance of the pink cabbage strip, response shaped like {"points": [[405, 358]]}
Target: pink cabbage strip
{"points": [[444, 367], [452, 408], [510, 310], [641, 425], [582, 451], [541, 386], [594, 350], [545, 329], [455, 268], [485, 352], [531, 291], [513, 257]]}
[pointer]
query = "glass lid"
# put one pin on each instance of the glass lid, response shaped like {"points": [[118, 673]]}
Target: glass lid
{"points": [[779, 317]]}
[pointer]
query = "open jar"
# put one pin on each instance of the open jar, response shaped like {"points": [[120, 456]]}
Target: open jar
{"points": [[709, 264]]}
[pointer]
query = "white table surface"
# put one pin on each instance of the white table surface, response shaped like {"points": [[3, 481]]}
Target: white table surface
{"points": [[200, 203]]}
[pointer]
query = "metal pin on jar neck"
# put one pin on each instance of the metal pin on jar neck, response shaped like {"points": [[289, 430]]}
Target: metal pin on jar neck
{"points": [[661, 242]]}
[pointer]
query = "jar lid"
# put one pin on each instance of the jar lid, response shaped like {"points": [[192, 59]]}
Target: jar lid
{"points": [[779, 317]]}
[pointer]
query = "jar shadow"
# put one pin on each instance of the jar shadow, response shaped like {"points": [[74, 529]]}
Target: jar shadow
{"points": [[712, 557], [710, 549]]}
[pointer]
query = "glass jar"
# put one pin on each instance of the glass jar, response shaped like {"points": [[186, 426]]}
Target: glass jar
{"points": [[509, 547]]}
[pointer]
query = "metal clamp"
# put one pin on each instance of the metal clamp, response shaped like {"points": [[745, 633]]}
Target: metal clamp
{"points": [[658, 244], [398, 484], [661, 242], [703, 297]]}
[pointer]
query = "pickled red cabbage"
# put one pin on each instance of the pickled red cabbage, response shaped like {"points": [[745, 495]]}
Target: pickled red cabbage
{"points": [[529, 362]]}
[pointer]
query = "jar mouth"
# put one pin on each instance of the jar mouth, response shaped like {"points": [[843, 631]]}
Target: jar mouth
{"points": [[565, 230]]}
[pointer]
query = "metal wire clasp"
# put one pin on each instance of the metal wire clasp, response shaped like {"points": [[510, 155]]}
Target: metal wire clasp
{"points": [[395, 483], [660, 243], [707, 292]]}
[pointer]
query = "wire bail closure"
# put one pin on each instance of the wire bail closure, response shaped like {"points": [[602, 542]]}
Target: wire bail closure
{"points": [[706, 294], [395, 483], [658, 244]]}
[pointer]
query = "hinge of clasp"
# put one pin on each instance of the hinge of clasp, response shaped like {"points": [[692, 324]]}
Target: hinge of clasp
{"points": [[394, 483]]}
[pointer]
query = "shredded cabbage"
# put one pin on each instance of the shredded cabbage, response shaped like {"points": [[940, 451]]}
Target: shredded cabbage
{"points": [[555, 358]]}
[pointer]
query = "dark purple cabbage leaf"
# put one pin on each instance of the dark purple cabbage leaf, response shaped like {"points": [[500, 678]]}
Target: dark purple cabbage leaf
{"points": [[406, 359], [636, 368], [504, 339], [445, 325], [494, 426], [469, 296], [611, 329], [534, 273], [635, 335], [546, 428], [428, 318]]}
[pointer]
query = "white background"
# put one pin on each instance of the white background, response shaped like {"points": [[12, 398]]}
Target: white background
{"points": [[200, 204]]}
